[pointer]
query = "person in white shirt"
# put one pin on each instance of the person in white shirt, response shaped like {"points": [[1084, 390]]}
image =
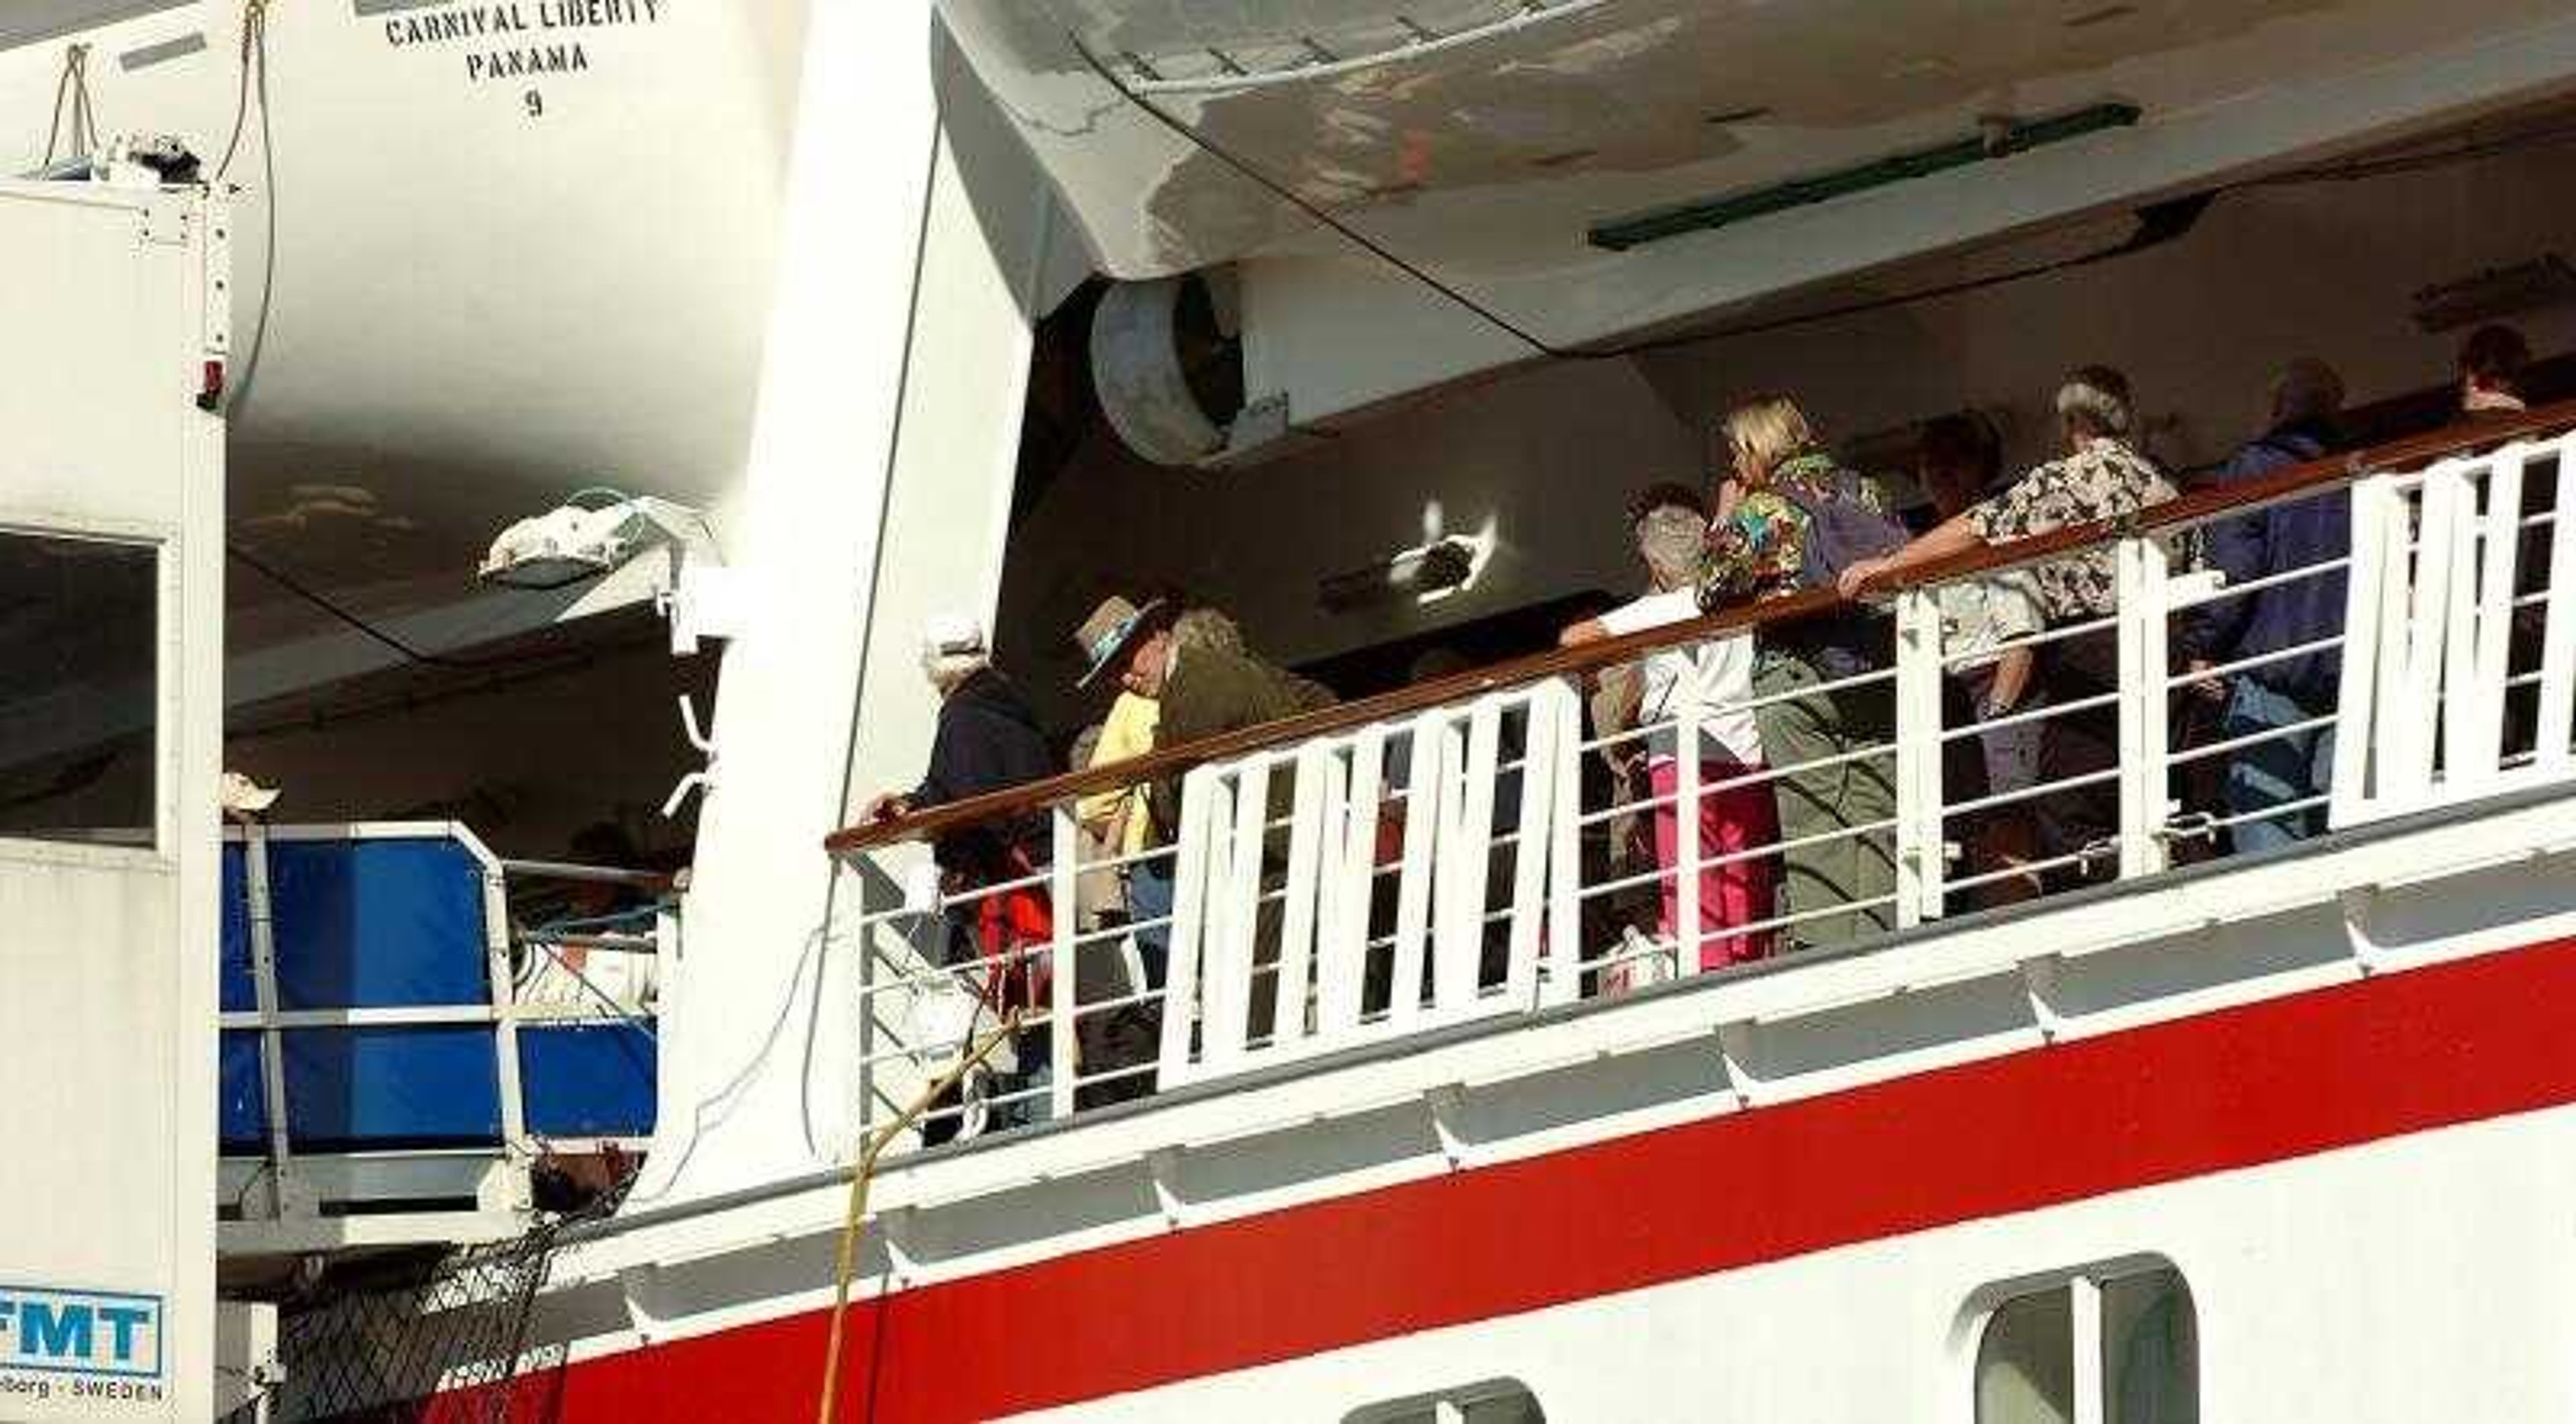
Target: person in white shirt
{"points": [[1709, 683]]}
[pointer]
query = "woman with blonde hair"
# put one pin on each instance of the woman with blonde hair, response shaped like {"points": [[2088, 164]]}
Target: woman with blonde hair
{"points": [[1791, 519]]}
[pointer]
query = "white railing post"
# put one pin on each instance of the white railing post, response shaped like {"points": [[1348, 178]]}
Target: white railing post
{"points": [[2366, 596], [1306, 873], [1565, 849], [2409, 742], [1230, 984], [1687, 851], [2144, 727], [1465, 855], [1342, 938], [1203, 810], [2481, 655], [1429, 757], [1534, 842], [1064, 874], [2556, 745], [1921, 831]]}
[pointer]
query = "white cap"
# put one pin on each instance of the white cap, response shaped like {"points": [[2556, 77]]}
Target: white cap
{"points": [[946, 635]]}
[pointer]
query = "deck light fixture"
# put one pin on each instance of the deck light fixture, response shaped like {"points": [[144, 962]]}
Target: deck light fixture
{"points": [[591, 534], [1427, 574]]}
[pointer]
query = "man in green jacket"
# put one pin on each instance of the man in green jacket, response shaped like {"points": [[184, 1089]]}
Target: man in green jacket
{"points": [[1204, 691]]}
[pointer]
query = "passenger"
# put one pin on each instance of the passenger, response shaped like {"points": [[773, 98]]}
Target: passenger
{"points": [[1712, 680], [1100, 896], [2492, 362], [2102, 476], [1130, 732], [1985, 623], [2295, 766], [1625, 844], [1114, 1029], [1209, 628], [1204, 689], [987, 740], [1120, 819], [1793, 519]]}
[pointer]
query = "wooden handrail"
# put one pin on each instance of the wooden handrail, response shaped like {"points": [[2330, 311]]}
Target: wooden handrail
{"points": [[2193, 508]]}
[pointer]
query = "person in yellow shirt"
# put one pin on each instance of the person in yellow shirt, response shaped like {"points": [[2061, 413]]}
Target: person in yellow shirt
{"points": [[1119, 820], [1122, 818]]}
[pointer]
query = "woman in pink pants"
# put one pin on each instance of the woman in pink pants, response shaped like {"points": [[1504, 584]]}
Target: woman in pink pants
{"points": [[1710, 682]]}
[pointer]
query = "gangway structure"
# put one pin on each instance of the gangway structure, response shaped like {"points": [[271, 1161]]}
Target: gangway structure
{"points": [[387, 1078]]}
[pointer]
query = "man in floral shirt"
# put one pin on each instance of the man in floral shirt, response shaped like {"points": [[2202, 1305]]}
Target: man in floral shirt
{"points": [[2102, 476]]}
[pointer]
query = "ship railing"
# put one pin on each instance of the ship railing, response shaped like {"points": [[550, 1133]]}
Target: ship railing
{"points": [[1447, 852]]}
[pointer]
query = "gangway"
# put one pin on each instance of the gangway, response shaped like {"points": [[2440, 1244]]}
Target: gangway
{"points": [[387, 1077]]}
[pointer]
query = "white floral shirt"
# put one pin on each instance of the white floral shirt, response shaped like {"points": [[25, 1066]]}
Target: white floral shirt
{"points": [[2104, 480]]}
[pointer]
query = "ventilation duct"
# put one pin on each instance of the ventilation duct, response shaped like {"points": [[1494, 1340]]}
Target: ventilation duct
{"points": [[1167, 361]]}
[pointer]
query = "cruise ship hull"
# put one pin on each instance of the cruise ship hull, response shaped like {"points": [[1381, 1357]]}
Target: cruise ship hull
{"points": [[2256, 1077]]}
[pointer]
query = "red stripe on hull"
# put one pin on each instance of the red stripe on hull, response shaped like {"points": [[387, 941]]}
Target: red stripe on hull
{"points": [[2333, 1068]]}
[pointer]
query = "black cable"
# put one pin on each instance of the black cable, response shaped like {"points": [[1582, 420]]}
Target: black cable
{"points": [[376, 634], [254, 89], [2158, 224]]}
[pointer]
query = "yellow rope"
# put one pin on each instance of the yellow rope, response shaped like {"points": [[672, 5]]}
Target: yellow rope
{"points": [[860, 1175]]}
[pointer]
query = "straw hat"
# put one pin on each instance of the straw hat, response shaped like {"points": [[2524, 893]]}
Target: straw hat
{"points": [[1106, 634]]}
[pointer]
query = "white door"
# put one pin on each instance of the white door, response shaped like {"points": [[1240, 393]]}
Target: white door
{"points": [[111, 647]]}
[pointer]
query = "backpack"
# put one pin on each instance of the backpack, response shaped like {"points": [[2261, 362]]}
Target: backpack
{"points": [[1843, 528]]}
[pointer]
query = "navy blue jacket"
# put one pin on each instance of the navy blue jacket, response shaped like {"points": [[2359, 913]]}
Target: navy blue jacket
{"points": [[2299, 534], [988, 740]]}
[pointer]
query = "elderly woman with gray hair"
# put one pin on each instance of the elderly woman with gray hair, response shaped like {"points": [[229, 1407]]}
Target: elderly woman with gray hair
{"points": [[1711, 680], [2101, 476]]}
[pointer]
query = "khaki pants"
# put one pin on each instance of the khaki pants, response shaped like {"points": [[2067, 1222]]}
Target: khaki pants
{"points": [[1813, 802]]}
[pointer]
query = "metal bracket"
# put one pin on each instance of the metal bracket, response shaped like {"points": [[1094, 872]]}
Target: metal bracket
{"points": [[2039, 983], [2369, 956], [1735, 1054], [1447, 1103], [1260, 422], [703, 779], [1163, 1170]]}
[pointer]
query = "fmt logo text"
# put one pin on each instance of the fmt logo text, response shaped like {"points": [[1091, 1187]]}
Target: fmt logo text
{"points": [[80, 1332]]}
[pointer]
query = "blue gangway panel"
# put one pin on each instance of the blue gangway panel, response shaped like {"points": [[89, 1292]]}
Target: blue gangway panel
{"points": [[377, 923], [241, 1098], [587, 1080], [410, 1086], [234, 977], [387, 918]]}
